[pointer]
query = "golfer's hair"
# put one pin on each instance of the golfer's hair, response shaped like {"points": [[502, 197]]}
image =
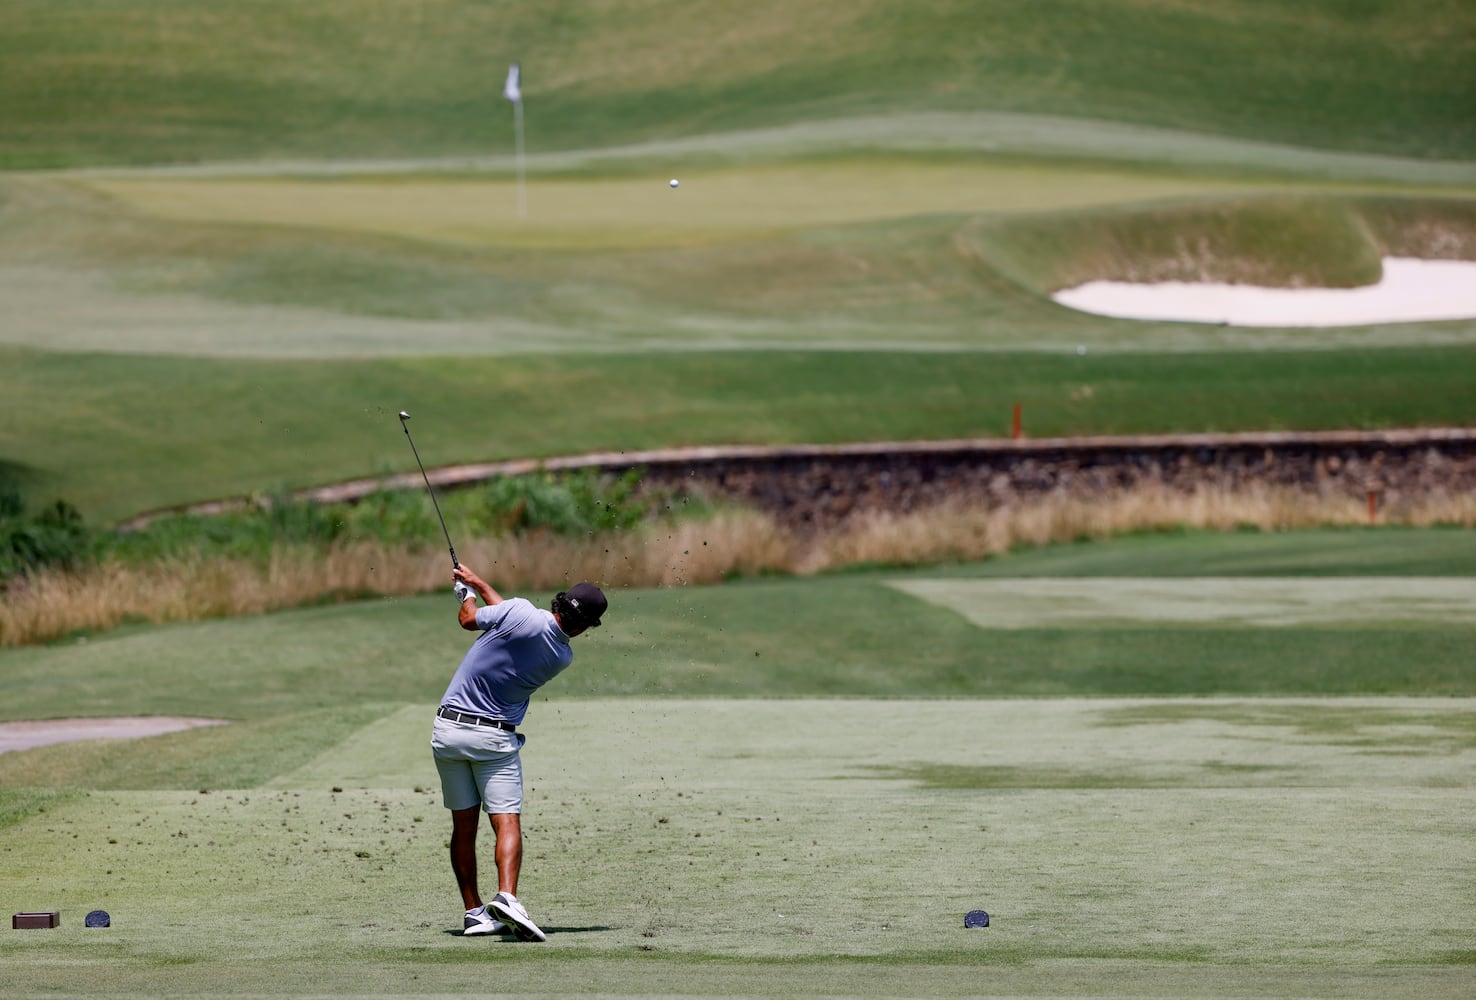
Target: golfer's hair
{"points": [[566, 611]]}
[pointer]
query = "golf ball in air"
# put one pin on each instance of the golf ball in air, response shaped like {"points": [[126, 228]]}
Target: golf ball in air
{"points": [[674, 182]]}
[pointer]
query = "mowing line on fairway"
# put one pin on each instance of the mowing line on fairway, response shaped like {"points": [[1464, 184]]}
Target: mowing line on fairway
{"points": [[1253, 601]]}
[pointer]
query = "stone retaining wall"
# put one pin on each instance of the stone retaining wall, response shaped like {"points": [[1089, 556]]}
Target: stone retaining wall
{"points": [[822, 485]]}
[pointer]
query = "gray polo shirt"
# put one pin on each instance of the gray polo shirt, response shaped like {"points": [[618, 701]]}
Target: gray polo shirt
{"points": [[521, 648]]}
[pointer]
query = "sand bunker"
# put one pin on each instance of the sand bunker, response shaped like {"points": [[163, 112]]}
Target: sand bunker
{"points": [[25, 735], [1411, 291]]}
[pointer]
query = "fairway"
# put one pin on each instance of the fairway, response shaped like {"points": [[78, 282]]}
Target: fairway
{"points": [[1259, 601]]}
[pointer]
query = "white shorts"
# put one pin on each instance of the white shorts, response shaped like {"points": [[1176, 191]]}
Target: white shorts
{"points": [[479, 765]]}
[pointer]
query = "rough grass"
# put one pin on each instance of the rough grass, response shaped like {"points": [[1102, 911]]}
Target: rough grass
{"points": [[91, 82], [190, 588], [1414, 227], [693, 552], [1268, 242]]}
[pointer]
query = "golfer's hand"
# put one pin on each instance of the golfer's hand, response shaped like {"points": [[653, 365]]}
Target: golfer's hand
{"points": [[463, 592], [476, 583], [465, 576]]}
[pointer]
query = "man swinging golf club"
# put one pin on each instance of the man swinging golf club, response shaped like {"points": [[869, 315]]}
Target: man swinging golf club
{"points": [[475, 738]]}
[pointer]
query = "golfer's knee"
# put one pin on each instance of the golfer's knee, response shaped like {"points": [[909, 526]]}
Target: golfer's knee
{"points": [[464, 821]]}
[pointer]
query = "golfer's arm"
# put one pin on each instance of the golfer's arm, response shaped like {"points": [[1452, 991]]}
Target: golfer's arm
{"points": [[467, 614]]}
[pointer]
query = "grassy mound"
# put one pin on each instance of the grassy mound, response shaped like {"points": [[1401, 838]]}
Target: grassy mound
{"points": [[1437, 229], [1271, 242], [1278, 242], [90, 81]]}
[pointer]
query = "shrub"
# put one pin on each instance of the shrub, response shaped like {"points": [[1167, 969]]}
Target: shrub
{"points": [[248, 533], [392, 516], [54, 537], [577, 503]]}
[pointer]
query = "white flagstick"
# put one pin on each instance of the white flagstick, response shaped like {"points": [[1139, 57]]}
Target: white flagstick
{"points": [[513, 91], [522, 179]]}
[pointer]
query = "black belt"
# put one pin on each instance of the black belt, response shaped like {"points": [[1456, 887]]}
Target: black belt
{"points": [[476, 720]]}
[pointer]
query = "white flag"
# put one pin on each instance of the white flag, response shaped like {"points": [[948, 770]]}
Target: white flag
{"points": [[510, 89]]}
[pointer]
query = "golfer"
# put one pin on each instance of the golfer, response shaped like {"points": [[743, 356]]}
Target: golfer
{"points": [[475, 737]]}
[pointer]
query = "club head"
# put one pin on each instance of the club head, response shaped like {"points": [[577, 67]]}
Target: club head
{"points": [[404, 416]]}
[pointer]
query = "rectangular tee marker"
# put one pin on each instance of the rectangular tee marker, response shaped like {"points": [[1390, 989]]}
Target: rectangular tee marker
{"points": [[27, 921]]}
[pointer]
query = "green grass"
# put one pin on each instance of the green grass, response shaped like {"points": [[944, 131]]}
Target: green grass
{"points": [[585, 213], [1348, 553], [179, 81], [849, 253], [17, 804], [1273, 242], [844, 634], [777, 786], [671, 851], [858, 253], [813, 819], [118, 434], [305, 299]]}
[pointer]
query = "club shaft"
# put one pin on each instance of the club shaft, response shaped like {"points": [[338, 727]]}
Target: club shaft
{"points": [[431, 490]]}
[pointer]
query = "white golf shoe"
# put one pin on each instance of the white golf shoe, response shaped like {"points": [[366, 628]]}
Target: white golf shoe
{"points": [[507, 907], [479, 921]]}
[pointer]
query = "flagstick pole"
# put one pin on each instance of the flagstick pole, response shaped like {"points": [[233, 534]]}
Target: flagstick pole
{"points": [[522, 180]]}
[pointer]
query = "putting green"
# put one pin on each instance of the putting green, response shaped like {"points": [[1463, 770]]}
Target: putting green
{"points": [[1259, 601], [603, 213]]}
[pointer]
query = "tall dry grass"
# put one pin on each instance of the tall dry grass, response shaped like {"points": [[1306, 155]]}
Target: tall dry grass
{"points": [[959, 531], [695, 552]]}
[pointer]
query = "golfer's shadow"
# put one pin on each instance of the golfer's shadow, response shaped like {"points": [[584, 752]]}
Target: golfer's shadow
{"points": [[550, 931]]}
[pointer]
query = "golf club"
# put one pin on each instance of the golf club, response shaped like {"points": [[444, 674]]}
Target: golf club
{"points": [[406, 428]]}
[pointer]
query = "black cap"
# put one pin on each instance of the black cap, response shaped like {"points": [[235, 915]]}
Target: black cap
{"points": [[587, 602]]}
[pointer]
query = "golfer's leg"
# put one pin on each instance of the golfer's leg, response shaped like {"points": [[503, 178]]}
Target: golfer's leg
{"points": [[464, 853], [509, 830]]}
